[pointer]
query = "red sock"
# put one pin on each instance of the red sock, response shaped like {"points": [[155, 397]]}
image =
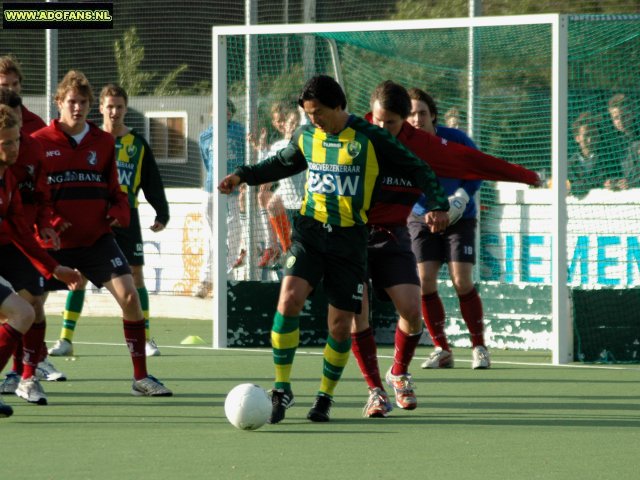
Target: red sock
{"points": [[134, 336], [363, 346], [9, 338], [282, 227], [17, 358], [405, 348], [32, 348], [433, 313], [471, 310]]}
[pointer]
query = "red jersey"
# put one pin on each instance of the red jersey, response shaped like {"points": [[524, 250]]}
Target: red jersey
{"points": [[32, 183], [83, 181], [30, 121], [13, 224], [397, 195]]}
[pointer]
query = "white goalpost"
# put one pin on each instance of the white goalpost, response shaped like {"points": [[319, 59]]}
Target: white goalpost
{"points": [[227, 82]]}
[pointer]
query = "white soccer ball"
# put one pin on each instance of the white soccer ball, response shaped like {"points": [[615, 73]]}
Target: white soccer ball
{"points": [[247, 406]]}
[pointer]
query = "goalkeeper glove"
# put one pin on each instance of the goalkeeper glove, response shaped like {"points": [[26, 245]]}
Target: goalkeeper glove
{"points": [[457, 205]]}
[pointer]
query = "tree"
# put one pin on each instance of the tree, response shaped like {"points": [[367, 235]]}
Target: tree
{"points": [[129, 54]]}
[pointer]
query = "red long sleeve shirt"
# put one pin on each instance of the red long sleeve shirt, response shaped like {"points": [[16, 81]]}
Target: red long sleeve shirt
{"points": [[30, 121], [32, 183], [14, 226], [83, 181], [396, 196]]}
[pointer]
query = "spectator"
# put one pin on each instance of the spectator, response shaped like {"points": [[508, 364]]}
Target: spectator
{"points": [[585, 171], [624, 140], [274, 199], [235, 218]]}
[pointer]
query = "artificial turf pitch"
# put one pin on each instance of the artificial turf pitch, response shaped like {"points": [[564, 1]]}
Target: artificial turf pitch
{"points": [[521, 419]]}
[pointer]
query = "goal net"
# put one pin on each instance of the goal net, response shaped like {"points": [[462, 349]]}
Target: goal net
{"points": [[539, 91]]}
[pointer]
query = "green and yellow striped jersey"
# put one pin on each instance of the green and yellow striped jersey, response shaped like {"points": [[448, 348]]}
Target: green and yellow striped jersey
{"points": [[344, 170], [138, 170]]}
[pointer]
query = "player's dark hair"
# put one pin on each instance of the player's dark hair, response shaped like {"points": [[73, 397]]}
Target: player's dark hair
{"points": [[10, 98], [325, 90], [422, 96], [9, 64], [392, 97], [8, 119], [114, 90]]}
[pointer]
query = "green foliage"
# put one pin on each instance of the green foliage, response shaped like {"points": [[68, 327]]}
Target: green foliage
{"points": [[129, 55], [168, 85], [410, 9]]}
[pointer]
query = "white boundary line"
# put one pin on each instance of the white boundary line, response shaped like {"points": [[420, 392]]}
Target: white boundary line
{"points": [[632, 367]]}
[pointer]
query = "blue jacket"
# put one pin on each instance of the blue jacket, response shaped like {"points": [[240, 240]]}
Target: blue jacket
{"points": [[450, 185], [235, 151]]}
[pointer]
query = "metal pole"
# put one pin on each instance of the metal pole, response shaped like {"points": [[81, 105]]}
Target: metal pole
{"points": [[51, 40], [475, 10], [251, 125], [562, 338], [309, 45]]}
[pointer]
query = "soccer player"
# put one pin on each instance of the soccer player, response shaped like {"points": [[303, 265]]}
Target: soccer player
{"points": [[391, 262], [17, 267], [83, 176], [34, 192], [11, 77], [137, 170], [456, 247], [347, 158]]}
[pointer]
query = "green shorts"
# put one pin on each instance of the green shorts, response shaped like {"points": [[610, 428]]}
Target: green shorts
{"points": [[335, 255], [130, 239]]}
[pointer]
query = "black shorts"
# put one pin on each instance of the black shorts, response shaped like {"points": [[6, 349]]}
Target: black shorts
{"points": [[335, 255], [390, 259], [456, 244], [18, 270], [100, 262], [5, 292], [130, 239]]}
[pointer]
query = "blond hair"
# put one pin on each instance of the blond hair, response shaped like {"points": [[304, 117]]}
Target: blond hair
{"points": [[76, 81]]}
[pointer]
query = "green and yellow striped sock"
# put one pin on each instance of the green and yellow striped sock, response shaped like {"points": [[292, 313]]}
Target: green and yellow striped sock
{"points": [[144, 303], [285, 338], [336, 355], [71, 314]]}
